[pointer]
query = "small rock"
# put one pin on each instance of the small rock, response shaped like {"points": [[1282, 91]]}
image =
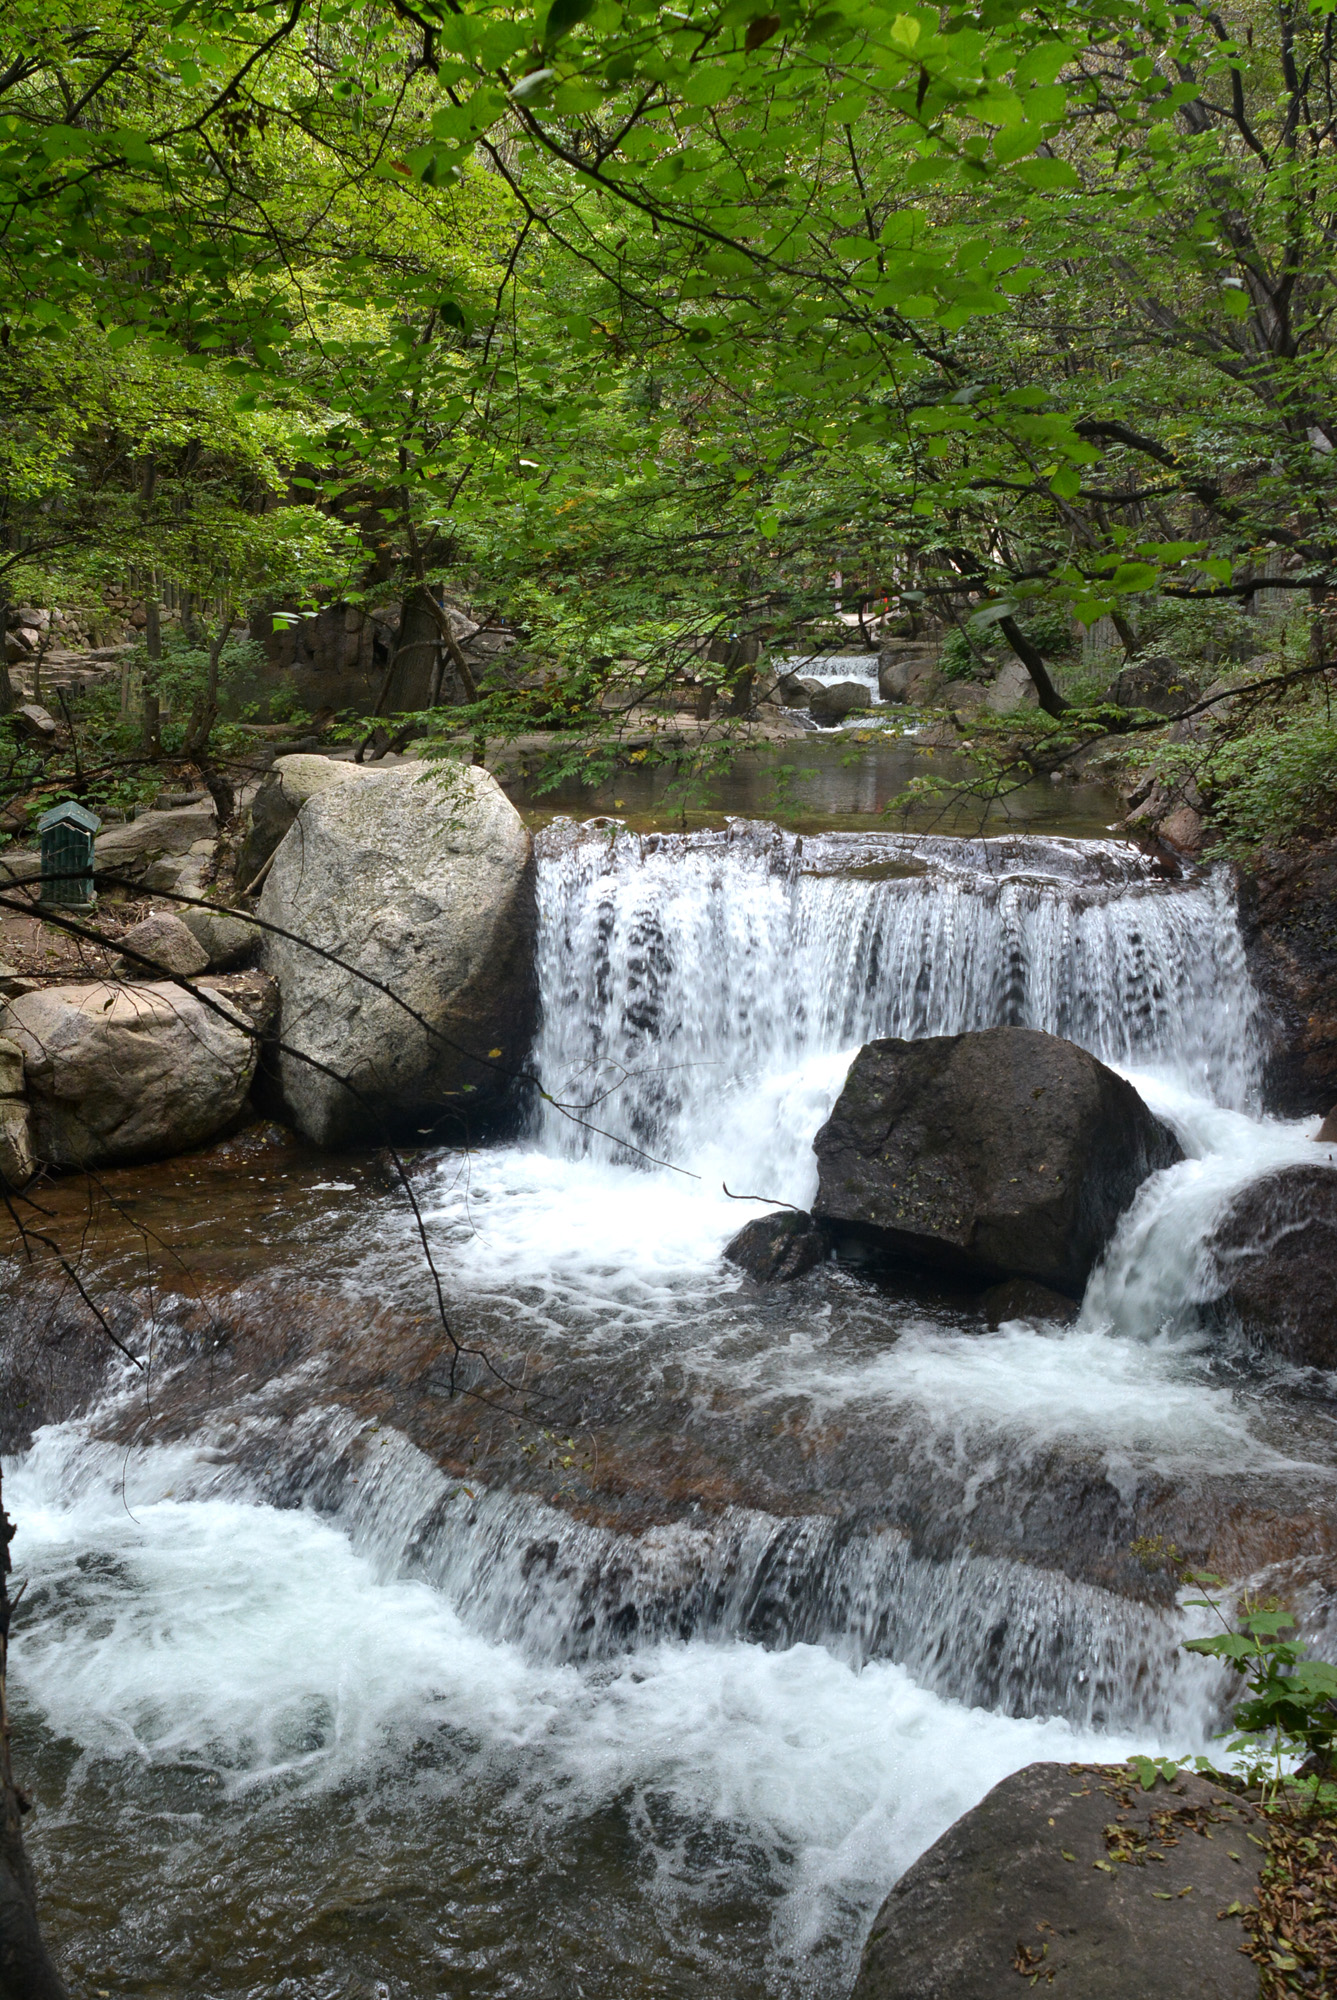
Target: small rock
{"points": [[34, 722], [165, 941], [1022, 1298], [776, 1249], [1328, 1129], [17, 1162], [227, 939], [253, 993]]}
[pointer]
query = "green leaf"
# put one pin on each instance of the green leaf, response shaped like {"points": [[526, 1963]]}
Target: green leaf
{"points": [[1066, 482], [1135, 576], [563, 16], [1046, 174]]}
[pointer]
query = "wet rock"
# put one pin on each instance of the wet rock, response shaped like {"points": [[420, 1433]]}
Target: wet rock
{"points": [[829, 705], [280, 796], [1022, 1298], [165, 941], [226, 939], [1275, 1256], [1288, 910], [131, 1072], [1073, 1876], [1012, 688], [775, 1249], [423, 880], [1328, 1129], [1002, 1153]]}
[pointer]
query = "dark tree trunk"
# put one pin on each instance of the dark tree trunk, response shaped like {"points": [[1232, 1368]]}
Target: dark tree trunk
{"points": [[26, 1968], [1051, 701]]}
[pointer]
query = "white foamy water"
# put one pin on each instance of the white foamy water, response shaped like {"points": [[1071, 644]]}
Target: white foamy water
{"points": [[260, 1647]]}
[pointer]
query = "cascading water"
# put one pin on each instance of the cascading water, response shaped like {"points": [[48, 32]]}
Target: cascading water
{"points": [[888, 1543]]}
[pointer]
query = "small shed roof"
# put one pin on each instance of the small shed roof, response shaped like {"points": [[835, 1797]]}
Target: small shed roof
{"points": [[69, 813]]}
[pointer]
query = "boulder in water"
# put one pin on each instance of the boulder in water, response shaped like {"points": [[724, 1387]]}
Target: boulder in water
{"points": [[1050, 1878], [1002, 1153], [422, 879], [775, 1249], [830, 705], [1275, 1255], [133, 1072]]}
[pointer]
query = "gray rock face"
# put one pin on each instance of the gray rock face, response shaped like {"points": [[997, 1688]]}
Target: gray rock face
{"points": [[1011, 689], [832, 704], [226, 939], [127, 1072], [165, 941], [1002, 1153], [283, 791], [1275, 1254], [776, 1249], [1072, 1874], [424, 880], [132, 849]]}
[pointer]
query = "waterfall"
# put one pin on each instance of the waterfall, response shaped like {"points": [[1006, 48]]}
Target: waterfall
{"points": [[680, 973]]}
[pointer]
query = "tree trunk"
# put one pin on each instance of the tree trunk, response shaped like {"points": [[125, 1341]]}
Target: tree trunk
{"points": [[1051, 701], [205, 713], [26, 1968]]}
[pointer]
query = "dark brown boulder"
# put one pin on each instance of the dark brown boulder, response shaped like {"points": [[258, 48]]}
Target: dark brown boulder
{"points": [[1071, 1878], [775, 1249], [1288, 912], [1002, 1153], [1276, 1259], [1022, 1298]]}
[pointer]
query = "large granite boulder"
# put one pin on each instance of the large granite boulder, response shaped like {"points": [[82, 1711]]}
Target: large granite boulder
{"points": [[997, 1154], [424, 881], [133, 1072], [1070, 1878], [1274, 1256], [282, 792]]}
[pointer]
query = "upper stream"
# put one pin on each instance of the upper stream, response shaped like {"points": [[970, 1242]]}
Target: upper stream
{"points": [[647, 1674]]}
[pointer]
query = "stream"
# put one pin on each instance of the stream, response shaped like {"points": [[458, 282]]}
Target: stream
{"points": [[644, 1663]]}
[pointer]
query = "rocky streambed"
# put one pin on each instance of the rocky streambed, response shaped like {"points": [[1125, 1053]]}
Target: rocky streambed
{"points": [[609, 1611]]}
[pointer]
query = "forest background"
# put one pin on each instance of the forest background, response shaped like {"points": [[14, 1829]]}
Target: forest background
{"points": [[630, 327]]}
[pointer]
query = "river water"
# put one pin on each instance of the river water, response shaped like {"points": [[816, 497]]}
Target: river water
{"points": [[647, 1673]]}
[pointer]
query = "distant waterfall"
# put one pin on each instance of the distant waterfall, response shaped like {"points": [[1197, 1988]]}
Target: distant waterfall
{"points": [[676, 970]]}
